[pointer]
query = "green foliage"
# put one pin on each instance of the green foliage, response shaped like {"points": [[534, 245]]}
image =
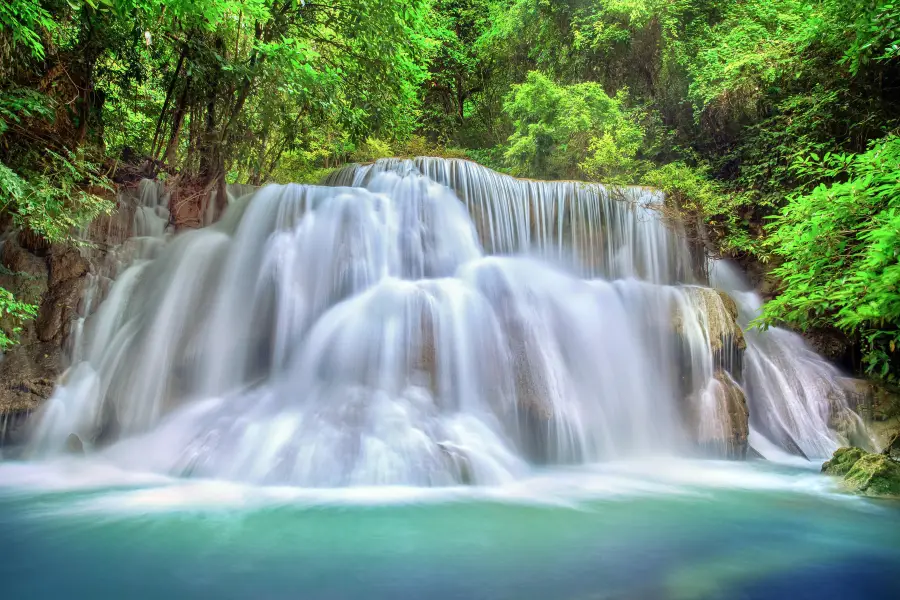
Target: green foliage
{"points": [[13, 314], [19, 104], [840, 244], [57, 200], [738, 110], [557, 127], [876, 26], [23, 22]]}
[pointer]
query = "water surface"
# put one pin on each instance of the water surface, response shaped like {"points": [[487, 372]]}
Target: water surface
{"points": [[653, 529]]}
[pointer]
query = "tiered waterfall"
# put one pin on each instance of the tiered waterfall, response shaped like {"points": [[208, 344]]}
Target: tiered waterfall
{"points": [[426, 322]]}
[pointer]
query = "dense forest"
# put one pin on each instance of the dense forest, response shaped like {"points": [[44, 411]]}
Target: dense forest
{"points": [[772, 126]]}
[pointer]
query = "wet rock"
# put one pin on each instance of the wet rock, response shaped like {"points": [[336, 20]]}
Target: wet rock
{"points": [[875, 475], [892, 448], [458, 462], [74, 445], [33, 242], [842, 460], [850, 426], [66, 263], [57, 310], [831, 344], [737, 427], [858, 392], [66, 285], [27, 375], [716, 313], [864, 473], [20, 261], [720, 418]]}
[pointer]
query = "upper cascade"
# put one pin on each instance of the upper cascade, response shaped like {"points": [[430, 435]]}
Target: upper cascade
{"points": [[426, 322], [612, 232]]}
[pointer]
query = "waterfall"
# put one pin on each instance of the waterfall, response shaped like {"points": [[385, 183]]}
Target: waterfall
{"points": [[423, 322], [796, 396]]}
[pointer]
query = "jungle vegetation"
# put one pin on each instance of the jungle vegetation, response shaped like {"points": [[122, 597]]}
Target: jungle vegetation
{"points": [[774, 127]]}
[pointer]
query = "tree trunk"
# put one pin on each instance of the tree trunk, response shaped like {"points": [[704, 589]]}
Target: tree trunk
{"points": [[162, 113], [177, 121]]}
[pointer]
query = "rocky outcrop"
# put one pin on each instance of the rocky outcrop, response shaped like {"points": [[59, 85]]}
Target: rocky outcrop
{"points": [[830, 343], [892, 448], [865, 473], [737, 425], [877, 406], [65, 287], [716, 314], [720, 418], [51, 278], [711, 345]]}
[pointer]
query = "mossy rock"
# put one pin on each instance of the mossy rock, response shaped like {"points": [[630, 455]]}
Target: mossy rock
{"points": [[864, 473], [875, 475], [842, 461]]}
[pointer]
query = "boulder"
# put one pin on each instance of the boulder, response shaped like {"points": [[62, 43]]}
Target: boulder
{"points": [[875, 475], [864, 473], [842, 460]]}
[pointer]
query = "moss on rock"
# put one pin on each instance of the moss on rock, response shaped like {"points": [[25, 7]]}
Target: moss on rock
{"points": [[865, 473], [875, 475], [842, 461]]}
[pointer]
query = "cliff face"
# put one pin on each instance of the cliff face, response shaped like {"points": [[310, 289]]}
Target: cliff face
{"points": [[53, 277]]}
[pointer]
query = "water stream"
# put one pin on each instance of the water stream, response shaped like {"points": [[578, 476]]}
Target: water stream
{"points": [[462, 384]]}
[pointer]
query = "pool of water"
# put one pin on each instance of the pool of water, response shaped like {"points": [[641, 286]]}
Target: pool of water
{"points": [[666, 529]]}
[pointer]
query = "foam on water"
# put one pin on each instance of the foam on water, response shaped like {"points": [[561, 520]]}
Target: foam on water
{"points": [[102, 488]]}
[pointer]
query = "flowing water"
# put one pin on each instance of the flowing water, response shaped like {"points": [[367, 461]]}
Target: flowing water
{"points": [[424, 378]]}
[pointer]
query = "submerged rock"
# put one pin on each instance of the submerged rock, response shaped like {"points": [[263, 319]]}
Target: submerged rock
{"points": [[74, 445], [864, 473]]}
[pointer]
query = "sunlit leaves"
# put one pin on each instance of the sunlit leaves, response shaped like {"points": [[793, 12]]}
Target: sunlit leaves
{"points": [[841, 249]]}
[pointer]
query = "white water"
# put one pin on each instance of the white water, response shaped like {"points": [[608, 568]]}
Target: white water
{"points": [[794, 393], [423, 323]]}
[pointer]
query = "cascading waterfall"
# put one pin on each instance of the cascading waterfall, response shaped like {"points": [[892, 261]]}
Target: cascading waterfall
{"points": [[426, 322], [796, 396]]}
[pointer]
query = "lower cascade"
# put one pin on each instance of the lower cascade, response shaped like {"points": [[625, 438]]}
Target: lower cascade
{"points": [[428, 322]]}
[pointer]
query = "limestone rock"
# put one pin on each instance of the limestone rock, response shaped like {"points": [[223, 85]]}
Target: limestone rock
{"points": [[716, 313], [860, 393], [19, 260], [875, 475], [738, 424], [27, 375], [32, 241], [66, 264], [74, 445], [57, 309], [721, 419], [66, 284], [851, 426]]}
